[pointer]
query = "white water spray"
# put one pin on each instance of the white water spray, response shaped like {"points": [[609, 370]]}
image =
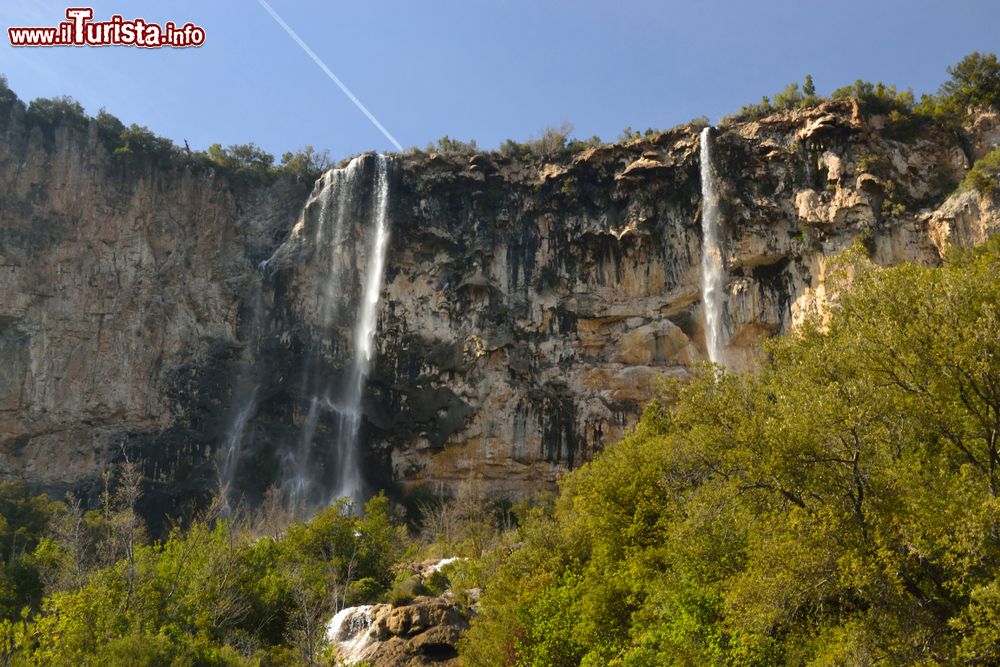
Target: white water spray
{"points": [[347, 243], [350, 632], [319, 474], [712, 270], [364, 340]]}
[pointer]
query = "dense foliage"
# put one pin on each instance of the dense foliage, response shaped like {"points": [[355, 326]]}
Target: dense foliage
{"points": [[975, 81], [220, 592], [839, 507]]}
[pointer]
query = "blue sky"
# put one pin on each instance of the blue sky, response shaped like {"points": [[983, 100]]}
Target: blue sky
{"points": [[485, 69]]}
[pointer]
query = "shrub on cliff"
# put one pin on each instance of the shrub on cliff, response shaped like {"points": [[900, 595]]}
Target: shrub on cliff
{"points": [[554, 144], [839, 507], [876, 97], [306, 163], [8, 97], [984, 177], [790, 98], [48, 113], [975, 81], [138, 141], [448, 146]]}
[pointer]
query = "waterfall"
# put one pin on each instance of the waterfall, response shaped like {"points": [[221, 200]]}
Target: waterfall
{"points": [[344, 248], [244, 392], [349, 483], [318, 477], [712, 269], [350, 632]]}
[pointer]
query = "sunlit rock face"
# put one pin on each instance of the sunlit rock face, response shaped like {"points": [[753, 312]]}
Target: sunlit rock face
{"points": [[527, 310]]}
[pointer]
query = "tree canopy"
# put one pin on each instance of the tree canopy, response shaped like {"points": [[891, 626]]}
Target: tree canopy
{"points": [[839, 507]]}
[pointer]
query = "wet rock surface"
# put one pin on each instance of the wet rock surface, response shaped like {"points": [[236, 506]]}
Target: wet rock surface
{"points": [[423, 632]]}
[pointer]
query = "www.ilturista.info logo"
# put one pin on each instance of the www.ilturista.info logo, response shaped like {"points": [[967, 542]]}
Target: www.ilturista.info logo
{"points": [[80, 30]]}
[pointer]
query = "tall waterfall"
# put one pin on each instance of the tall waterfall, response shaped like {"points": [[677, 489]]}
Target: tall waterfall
{"points": [[318, 473], [364, 340], [712, 269], [344, 249]]}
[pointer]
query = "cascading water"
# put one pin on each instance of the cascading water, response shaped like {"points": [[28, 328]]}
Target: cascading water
{"points": [[364, 341], [712, 269], [313, 477], [348, 242], [349, 631]]}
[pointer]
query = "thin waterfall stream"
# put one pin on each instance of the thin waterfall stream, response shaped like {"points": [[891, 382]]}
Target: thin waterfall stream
{"points": [[712, 266]]}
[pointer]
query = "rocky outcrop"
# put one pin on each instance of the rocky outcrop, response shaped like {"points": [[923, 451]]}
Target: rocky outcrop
{"points": [[423, 632], [527, 314], [966, 219]]}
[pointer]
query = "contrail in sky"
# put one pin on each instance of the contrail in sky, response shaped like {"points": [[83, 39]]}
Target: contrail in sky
{"points": [[333, 77]]}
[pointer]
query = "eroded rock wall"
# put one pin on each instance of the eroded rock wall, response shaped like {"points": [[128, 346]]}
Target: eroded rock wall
{"points": [[528, 309], [121, 283]]}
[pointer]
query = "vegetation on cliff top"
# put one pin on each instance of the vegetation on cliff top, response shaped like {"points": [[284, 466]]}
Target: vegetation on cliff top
{"points": [[974, 83], [135, 142]]}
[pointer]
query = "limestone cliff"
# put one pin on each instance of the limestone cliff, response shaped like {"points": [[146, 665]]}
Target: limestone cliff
{"points": [[527, 312], [121, 283]]}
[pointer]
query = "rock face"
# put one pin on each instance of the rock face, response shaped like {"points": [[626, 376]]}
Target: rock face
{"points": [[121, 288], [527, 313]]}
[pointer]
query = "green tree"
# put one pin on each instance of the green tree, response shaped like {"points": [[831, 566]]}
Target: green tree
{"points": [[809, 88], [839, 507], [975, 81]]}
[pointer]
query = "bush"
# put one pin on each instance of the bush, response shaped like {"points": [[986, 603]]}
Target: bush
{"points": [[139, 141], [974, 82], [448, 146], [789, 98], [552, 143], [628, 134], [405, 589], [876, 97], [7, 96], [306, 163], [984, 177], [438, 582], [109, 129], [514, 150], [241, 159]]}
